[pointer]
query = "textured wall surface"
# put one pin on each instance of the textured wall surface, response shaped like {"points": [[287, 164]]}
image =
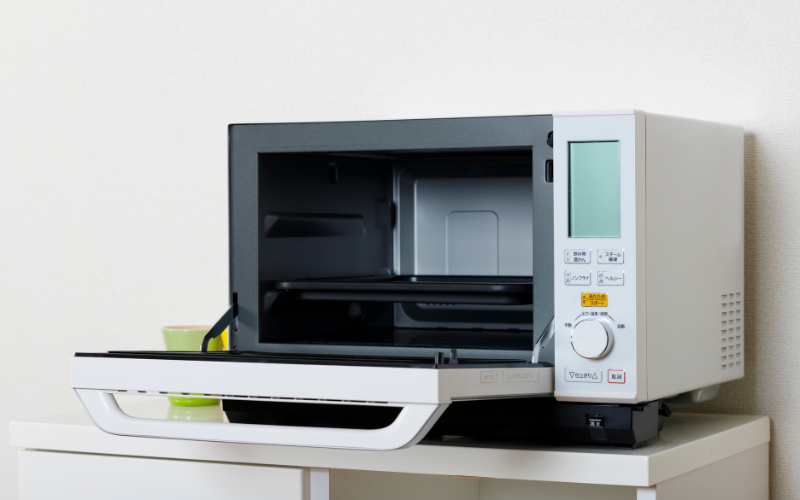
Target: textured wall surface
{"points": [[113, 123]]}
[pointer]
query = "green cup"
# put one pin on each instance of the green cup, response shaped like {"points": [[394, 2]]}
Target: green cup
{"points": [[189, 338]]}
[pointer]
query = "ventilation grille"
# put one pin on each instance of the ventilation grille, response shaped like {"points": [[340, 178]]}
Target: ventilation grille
{"points": [[732, 333]]}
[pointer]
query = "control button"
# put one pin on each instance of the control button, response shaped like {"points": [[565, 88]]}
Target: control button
{"points": [[594, 299], [578, 278], [583, 375], [489, 377], [610, 257], [592, 339], [616, 376], [610, 278], [577, 256]]}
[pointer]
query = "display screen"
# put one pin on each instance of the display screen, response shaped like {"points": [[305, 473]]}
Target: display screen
{"points": [[594, 189]]}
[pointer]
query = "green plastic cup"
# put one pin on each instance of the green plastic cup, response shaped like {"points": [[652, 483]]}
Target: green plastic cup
{"points": [[189, 338]]}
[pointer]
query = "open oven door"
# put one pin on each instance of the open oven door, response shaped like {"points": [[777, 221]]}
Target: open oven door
{"points": [[420, 389]]}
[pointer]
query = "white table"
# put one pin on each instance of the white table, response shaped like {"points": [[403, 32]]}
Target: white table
{"points": [[696, 456]]}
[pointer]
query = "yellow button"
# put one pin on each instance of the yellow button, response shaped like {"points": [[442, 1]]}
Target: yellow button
{"points": [[594, 299]]}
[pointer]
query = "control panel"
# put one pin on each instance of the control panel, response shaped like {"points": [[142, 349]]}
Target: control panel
{"points": [[595, 257]]}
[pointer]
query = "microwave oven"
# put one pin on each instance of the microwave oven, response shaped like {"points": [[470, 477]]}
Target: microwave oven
{"points": [[392, 280]]}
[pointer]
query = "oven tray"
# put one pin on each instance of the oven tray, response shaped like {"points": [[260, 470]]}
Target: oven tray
{"points": [[457, 284], [492, 290]]}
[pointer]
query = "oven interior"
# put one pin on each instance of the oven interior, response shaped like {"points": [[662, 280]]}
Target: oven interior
{"points": [[397, 252]]}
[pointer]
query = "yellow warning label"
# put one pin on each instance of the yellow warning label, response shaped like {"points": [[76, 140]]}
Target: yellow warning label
{"points": [[594, 299]]}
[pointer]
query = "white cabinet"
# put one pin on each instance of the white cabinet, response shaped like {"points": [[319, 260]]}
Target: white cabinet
{"points": [[47, 475], [695, 457]]}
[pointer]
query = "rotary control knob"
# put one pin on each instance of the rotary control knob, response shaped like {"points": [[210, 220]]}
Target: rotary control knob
{"points": [[592, 338]]}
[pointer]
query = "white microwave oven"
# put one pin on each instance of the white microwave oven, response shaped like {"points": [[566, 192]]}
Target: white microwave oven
{"points": [[392, 281]]}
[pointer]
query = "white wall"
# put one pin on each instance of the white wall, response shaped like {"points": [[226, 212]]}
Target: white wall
{"points": [[113, 123]]}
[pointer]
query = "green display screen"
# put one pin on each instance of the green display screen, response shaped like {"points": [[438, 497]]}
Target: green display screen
{"points": [[594, 189]]}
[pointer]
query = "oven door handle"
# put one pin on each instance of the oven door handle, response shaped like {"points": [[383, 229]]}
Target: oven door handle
{"points": [[410, 426]]}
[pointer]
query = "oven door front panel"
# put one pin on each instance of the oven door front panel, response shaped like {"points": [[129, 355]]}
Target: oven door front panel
{"points": [[421, 390]]}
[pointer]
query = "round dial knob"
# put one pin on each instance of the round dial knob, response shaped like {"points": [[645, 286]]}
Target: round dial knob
{"points": [[592, 338]]}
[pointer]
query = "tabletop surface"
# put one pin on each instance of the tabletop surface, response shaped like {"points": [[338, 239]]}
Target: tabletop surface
{"points": [[687, 442]]}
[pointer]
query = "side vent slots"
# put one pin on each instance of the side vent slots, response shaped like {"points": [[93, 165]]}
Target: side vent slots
{"points": [[731, 320]]}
